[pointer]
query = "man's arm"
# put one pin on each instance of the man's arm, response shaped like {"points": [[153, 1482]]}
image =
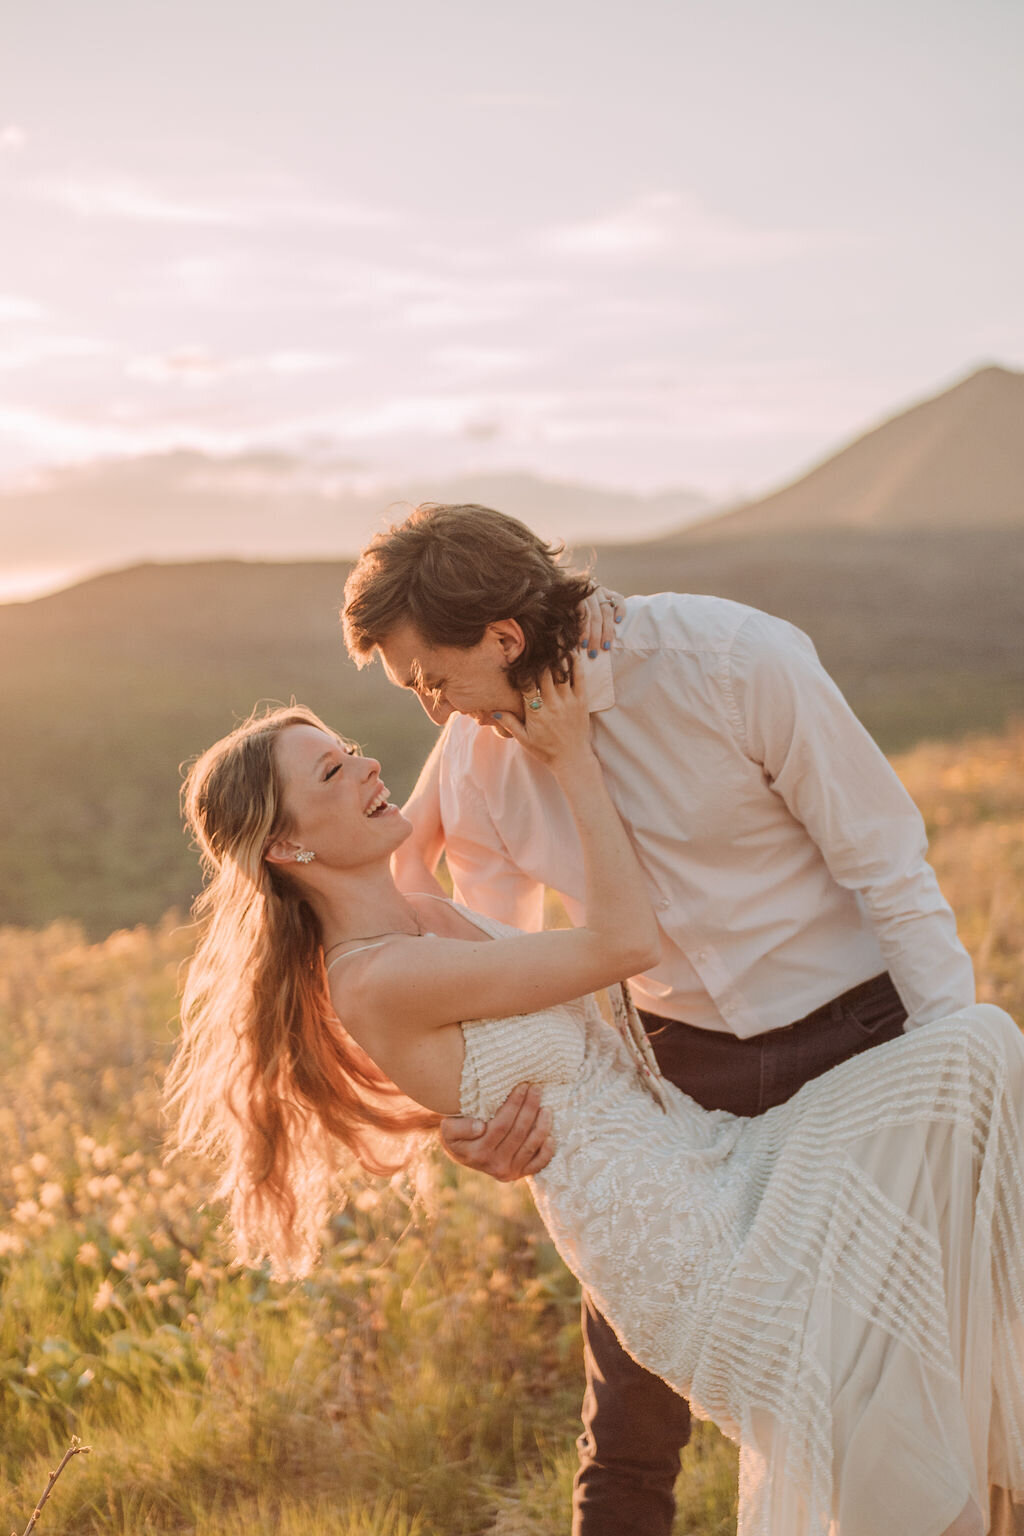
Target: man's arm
{"points": [[485, 876], [793, 720], [414, 863]]}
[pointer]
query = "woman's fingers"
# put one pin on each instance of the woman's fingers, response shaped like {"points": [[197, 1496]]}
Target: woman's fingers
{"points": [[555, 719], [601, 611]]}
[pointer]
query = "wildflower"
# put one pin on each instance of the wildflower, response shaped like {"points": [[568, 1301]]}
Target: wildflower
{"points": [[88, 1256], [51, 1195], [104, 1296]]}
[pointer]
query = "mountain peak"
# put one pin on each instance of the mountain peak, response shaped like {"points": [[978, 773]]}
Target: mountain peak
{"points": [[953, 460]]}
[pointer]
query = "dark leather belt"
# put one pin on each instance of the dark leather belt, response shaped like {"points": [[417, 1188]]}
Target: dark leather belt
{"points": [[826, 1013]]}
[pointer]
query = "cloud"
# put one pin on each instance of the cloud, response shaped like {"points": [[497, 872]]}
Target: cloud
{"points": [[418, 297], [46, 349], [122, 197], [194, 366], [479, 361], [13, 138], [183, 365], [14, 306], [31, 439], [671, 226]]}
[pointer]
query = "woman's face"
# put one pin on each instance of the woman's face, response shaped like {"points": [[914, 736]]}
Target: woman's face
{"points": [[334, 801]]}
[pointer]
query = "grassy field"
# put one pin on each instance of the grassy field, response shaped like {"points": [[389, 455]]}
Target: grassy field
{"points": [[425, 1381]]}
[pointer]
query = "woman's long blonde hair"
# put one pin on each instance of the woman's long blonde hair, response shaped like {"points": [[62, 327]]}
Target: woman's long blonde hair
{"points": [[265, 1080]]}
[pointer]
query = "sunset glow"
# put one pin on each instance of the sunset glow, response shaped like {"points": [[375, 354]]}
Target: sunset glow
{"points": [[673, 246]]}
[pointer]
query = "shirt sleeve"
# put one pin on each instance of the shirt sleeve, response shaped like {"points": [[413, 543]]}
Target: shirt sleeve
{"points": [[792, 719], [484, 875]]}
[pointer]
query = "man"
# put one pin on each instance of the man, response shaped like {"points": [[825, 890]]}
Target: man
{"points": [[800, 922]]}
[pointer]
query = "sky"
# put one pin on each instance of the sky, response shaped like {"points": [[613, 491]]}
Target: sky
{"points": [[637, 243]]}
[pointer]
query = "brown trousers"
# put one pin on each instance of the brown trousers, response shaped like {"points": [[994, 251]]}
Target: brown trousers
{"points": [[634, 1425]]}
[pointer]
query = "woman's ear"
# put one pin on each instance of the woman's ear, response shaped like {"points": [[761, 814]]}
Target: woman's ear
{"points": [[283, 851]]}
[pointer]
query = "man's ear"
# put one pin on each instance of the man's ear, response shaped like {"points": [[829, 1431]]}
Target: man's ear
{"points": [[510, 638]]}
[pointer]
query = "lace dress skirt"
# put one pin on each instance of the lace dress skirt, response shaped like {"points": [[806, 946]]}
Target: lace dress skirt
{"points": [[838, 1284]]}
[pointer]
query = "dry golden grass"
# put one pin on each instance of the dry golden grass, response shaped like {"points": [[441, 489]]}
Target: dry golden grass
{"points": [[425, 1381]]}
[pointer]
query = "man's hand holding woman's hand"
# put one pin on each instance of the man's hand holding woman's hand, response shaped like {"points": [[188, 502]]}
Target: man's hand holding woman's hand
{"points": [[516, 1142]]}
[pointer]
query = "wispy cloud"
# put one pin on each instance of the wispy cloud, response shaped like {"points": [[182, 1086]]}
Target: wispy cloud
{"points": [[669, 225], [15, 306], [481, 362], [29, 439], [196, 366], [48, 349], [122, 197], [425, 296]]}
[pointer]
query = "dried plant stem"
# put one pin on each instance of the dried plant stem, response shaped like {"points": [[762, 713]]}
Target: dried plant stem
{"points": [[76, 1448]]}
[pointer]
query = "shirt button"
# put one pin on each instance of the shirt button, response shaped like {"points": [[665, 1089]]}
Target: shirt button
{"points": [[702, 954], [662, 903]]}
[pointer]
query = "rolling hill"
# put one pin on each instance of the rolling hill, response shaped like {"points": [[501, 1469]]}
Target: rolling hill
{"points": [[109, 686]]}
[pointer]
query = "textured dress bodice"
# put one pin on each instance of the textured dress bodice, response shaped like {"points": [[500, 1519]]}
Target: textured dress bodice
{"points": [[637, 1196], [838, 1283]]}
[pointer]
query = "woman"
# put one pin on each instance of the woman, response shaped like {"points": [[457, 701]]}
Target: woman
{"points": [[839, 1283]]}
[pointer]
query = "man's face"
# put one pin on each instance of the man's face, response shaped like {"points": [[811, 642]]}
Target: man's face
{"points": [[449, 680]]}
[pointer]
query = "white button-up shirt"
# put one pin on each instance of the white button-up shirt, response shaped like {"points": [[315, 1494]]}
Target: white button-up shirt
{"points": [[785, 861]]}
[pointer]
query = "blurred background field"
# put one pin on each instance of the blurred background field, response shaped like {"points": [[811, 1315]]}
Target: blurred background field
{"points": [[425, 1381]]}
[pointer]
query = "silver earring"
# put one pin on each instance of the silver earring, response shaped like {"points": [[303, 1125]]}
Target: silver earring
{"points": [[305, 856]]}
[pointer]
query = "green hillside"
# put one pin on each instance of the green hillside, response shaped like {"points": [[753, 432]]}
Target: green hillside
{"points": [[108, 687]]}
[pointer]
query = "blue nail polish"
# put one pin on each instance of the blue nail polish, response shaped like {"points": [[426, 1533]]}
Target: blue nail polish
{"points": [[618, 618], [591, 654], [607, 645], [496, 716]]}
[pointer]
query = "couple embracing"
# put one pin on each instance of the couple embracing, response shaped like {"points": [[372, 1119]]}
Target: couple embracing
{"points": [[791, 1183]]}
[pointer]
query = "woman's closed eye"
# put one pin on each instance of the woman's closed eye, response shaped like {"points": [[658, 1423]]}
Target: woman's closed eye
{"points": [[348, 752]]}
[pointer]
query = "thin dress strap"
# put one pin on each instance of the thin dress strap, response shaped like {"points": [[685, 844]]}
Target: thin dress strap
{"points": [[349, 952]]}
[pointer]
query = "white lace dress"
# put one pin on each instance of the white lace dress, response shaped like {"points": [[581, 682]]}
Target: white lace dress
{"points": [[838, 1283]]}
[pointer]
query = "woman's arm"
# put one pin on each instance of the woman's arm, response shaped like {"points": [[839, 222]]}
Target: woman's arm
{"points": [[466, 980], [413, 864]]}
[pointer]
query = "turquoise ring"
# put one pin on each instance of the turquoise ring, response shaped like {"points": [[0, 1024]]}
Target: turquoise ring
{"points": [[537, 703]]}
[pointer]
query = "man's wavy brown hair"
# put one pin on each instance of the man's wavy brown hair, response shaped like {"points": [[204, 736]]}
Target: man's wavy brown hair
{"points": [[449, 571]]}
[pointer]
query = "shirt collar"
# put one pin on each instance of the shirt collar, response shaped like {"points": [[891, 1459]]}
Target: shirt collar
{"points": [[598, 681]]}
